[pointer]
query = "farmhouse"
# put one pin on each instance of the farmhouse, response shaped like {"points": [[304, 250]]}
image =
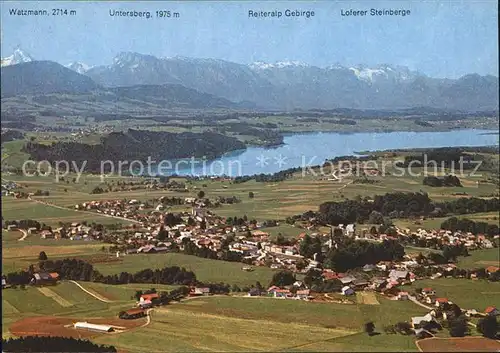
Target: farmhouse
{"points": [[41, 278], [132, 314], [254, 292], [303, 294], [428, 292], [492, 311], [440, 302], [492, 269], [346, 290], [149, 296], [403, 296], [196, 291], [419, 321], [93, 327]]}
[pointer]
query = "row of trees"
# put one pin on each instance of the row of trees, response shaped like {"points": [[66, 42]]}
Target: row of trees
{"points": [[25, 224], [52, 344], [350, 254], [397, 204], [448, 180], [74, 269], [466, 225], [190, 248]]}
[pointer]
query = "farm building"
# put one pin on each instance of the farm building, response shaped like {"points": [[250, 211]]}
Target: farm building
{"points": [[196, 291], [346, 290], [41, 278], [93, 327], [492, 311], [132, 314]]}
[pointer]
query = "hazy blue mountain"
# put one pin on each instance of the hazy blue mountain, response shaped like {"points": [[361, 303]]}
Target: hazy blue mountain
{"points": [[290, 84], [285, 85], [43, 77], [48, 80]]}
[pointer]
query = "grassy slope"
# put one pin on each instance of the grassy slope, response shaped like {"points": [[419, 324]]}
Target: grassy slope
{"points": [[205, 269], [467, 294], [480, 258], [245, 324]]}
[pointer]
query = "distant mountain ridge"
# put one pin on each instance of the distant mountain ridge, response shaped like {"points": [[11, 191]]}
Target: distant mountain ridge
{"points": [[43, 77], [47, 81], [290, 85]]}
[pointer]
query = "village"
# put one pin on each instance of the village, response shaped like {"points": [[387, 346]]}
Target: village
{"points": [[155, 230]]}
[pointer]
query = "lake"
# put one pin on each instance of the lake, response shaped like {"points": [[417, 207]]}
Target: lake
{"points": [[307, 149]]}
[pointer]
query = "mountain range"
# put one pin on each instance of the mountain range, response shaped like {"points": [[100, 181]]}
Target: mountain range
{"points": [[283, 85]]}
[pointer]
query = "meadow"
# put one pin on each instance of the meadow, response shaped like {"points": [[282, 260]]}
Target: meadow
{"points": [[277, 200], [242, 323], [266, 324], [480, 258], [468, 294], [205, 269]]}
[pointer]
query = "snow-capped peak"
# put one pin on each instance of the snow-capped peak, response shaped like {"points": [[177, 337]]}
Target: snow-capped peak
{"points": [[367, 74], [79, 67], [18, 57], [260, 65], [384, 71]]}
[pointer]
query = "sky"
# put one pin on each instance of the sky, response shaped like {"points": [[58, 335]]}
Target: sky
{"points": [[438, 38]]}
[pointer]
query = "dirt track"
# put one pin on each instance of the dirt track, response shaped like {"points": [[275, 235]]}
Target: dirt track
{"points": [[458, 344], [56, 326], [95, 295]]}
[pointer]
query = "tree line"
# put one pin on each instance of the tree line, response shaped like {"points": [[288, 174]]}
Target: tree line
{"points": [[466, 225], [52, 344], [447, 180], [399, 204], [351, 254], [79, 270]]}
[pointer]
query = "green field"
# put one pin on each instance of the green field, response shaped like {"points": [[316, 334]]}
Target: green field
{"points": [[468, 294], [271, 200], [20, 303], [242, 324], [18, 255], [15, 209], [123, 292], [247, 324], [205, 269], [435, 223], [328, 315], [480, 258]]}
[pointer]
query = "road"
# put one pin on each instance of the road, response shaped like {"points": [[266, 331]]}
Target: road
{"points": [[413, 299], [25, 234], [148, 317], [104, 300]]}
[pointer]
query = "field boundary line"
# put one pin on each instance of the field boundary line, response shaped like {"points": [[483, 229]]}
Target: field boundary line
{"points": [[9, 305], [56, 297], [95, 295], [25, 234], [311, 343], [82, 211]]}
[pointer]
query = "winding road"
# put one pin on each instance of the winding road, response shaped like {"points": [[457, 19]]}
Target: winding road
{"points": [[98, 297], [413, 299], [25, 234]]}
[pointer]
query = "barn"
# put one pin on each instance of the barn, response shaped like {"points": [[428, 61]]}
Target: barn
{"points": [[93, 327]]}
